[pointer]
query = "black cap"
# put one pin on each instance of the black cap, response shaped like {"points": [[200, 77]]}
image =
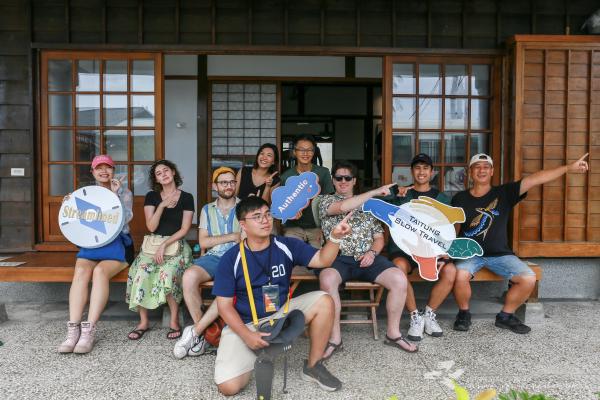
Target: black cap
{"points": [[421, 158]]}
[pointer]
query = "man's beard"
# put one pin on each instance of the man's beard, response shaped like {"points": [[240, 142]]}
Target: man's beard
{"points": [[226, 196]]}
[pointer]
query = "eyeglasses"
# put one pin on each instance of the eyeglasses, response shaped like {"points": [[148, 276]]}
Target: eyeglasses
{"points": [[227, 183], [258, 218], [303, 150], [340, 178]]}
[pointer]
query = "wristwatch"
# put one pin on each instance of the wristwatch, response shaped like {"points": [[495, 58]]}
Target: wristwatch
{"points": [[374, 252]]}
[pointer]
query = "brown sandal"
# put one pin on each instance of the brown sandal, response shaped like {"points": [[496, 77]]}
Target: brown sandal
{"points": [[336, 348], [394, 343]]}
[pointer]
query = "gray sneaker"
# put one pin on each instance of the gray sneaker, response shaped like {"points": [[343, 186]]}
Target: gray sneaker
{"points": [[432, 327], [321, 376], [417, 325]]}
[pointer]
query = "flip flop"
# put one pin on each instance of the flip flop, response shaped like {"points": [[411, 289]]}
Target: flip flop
{"points": [[138, 332], [174, 334], [336, 348], [394, 343]]}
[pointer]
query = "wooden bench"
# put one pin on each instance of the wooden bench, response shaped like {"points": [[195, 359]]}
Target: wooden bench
{"points": [[58, 267]]}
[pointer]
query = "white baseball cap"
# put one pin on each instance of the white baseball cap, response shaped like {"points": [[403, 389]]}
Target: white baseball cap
{"points": [[481, 157]]}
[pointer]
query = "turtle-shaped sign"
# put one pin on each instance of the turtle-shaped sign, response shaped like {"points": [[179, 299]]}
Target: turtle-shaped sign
{"points": [[424, 228]]}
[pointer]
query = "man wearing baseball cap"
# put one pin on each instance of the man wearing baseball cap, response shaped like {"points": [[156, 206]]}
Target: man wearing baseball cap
{"points": [[421, 168], [487, 209], [218, 231]]}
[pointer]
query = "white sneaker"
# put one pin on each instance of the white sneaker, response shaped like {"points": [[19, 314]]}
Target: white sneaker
{"points": [[189, 344], [432, 327], [415, 332]]}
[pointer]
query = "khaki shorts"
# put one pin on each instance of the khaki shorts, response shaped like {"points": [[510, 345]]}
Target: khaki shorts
{"points": [[313, 236], [234, 358]]}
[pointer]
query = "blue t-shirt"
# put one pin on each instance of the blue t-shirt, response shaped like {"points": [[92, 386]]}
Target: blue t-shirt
{"points": [[284, 252]]}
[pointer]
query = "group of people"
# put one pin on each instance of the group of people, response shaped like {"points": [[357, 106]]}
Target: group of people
{"points": [[332, 235]]}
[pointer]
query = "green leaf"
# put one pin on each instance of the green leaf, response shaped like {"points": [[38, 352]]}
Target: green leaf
{"points": [[461, 392], [464, 248]]}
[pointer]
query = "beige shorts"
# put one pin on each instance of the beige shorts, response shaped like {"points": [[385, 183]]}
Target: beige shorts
{"points": [[313, 236], [234, 358]]}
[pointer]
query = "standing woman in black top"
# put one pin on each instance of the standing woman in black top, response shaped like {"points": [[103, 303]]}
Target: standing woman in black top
{"points": [[260, 179], [155, 278]]}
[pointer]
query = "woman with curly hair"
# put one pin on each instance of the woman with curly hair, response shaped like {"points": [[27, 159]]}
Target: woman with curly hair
{"points": [[155, 275]]}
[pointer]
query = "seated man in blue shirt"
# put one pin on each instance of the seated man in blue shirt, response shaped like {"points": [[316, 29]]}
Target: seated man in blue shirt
{"points": [[270, 263]]}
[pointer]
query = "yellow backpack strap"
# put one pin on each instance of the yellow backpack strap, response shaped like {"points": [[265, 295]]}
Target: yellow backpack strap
{"points": [[248, 284]]}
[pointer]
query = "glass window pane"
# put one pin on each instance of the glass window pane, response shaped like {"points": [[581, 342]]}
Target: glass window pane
{"points": [[142, 76], [480, 118], [456, 80], [456, 113], [61, 145], [435, 178], [402, 176], [404, 81], [430, 113], [143, 145], [115, 110], [84, 176], [403, 147], [429, 143], [404, 112], [61, 180], [115, 76], [60, 112], [87, 145], [141, 182], [454, 179], [142, 110], [429, 79], [479, 143], [60, 75], [455, 151], [88, 109], [88, 76], [480, 80], [122, 173], [115, 142]]}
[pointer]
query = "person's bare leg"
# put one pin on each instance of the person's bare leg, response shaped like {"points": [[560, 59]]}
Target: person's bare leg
{"points": [[235, 385], [102, 274], [320, 322], [144, 321], [519, 292], [193, 277], [404, 265], [78, 294], [330, 281], [443, 287], [462, 289], [209, 316], [174, 309]]}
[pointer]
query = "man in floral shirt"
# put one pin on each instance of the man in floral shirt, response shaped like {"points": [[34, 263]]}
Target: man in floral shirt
{"points": [[359, 257]]}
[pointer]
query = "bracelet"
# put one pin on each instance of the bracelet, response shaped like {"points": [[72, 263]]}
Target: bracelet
{"points": [[334, 240]]}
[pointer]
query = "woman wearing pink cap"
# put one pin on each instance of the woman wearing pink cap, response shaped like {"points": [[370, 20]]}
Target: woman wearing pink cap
{"points": [[97, 265]]}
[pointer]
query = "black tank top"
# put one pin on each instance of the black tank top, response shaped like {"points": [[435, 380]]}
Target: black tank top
{"points": [[247, 187]]}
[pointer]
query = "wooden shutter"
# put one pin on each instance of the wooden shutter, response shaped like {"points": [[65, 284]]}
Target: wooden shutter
{"points": [[557, 120]]}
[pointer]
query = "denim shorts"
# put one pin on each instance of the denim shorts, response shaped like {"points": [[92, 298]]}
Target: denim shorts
{"points": [[506, 266], [209, 263]]}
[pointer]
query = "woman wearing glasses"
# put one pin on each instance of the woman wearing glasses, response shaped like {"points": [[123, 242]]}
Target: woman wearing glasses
{"points": [[261, 178], [155, 275]]}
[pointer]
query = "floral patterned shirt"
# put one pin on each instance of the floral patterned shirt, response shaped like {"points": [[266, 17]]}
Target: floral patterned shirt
{"points": [[364, 227]]}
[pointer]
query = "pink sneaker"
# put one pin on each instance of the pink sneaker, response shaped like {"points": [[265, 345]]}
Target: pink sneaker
{"points": [[86, 341], [73, 333]]}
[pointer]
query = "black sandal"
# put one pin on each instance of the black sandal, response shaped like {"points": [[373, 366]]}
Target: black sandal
{"points": [[336, 348], [394, 343], [175, 332], [138, 332]]}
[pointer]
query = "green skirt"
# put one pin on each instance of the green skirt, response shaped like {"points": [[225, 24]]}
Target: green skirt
{"points": [[149, 283]]}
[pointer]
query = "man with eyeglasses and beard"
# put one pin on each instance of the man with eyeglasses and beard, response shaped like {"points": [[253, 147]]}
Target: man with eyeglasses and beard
{"points": [[218, 231], [359, 255], [269, 261], [305, 226]]}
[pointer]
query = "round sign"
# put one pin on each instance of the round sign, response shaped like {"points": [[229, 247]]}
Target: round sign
{"points": [[91, 217]]}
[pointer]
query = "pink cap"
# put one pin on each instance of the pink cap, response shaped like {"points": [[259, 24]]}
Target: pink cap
{"points": [[102, 159]]}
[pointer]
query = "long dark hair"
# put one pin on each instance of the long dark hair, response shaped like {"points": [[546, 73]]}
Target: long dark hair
{"points": [[157, 187], [275, 164]]}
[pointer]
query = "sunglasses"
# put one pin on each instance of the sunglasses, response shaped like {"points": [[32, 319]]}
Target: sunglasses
{"points": [[340, 178]]}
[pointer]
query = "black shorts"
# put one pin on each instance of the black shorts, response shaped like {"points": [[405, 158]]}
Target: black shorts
{"points": [[411, 262], [350, 269]]}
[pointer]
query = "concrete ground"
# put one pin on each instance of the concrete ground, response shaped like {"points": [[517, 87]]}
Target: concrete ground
{"points": [[560, 357]]}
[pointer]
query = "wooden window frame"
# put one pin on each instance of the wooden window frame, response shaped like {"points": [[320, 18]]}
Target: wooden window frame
{"points": [[47, 240], [495, 105]]}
